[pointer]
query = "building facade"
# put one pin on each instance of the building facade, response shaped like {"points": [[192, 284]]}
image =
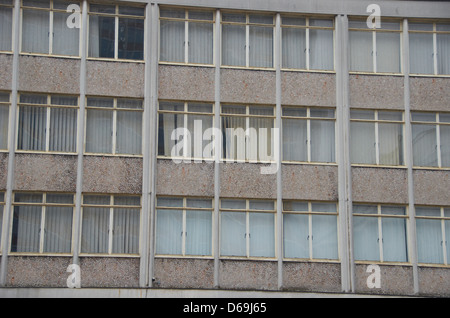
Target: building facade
{"points": [[289, 146]]}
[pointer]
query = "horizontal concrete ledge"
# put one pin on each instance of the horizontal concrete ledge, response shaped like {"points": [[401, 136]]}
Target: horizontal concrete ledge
{"points": [[165, 293]]}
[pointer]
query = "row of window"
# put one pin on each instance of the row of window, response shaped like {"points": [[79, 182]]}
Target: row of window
{"points": [[48, 123], [111, 225], [187, 36]]}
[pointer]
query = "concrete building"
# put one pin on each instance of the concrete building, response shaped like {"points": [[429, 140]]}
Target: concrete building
{"points": [[329, 174]]}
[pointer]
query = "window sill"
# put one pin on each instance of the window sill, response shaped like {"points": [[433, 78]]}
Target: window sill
{"points": [[295, 70], [360, 165], [248, 68], [26, 254], [376, 74], [111, 155], [135, 256], [31, 152], [186, 257], [51, 55], [383, 263], [186, 64], [103, 59], [307, 260]]}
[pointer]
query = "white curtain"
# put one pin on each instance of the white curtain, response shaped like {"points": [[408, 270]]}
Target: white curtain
{"points": [[443, 53], [324, 237], [126, 228], [169, 231], [35, 31], [32, 128], [101, 36], [361, 51], [260, 143], [129, 132], [95, 228], [26, 229], [296, 235], [233, 129], [295, 140], [429, 241], [294, 48], [168, 124], [65, 40], [4, 126], [197, 142], [172, 41], [63, 129], [233, 45], [321, 46], [445, 145], [388, 52], [233, 234], [5, 29], [323, 142], [198, 234], [390, 143], [201, 43], [366, 238], [261, 234], [58, 229], [424, 145], [394, 239], [421, 53], [99, 130], [362, 142], [261, 46]]}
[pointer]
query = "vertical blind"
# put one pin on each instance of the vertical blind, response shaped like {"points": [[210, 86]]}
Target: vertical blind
{"points": [[5, 28], [4, 120]]}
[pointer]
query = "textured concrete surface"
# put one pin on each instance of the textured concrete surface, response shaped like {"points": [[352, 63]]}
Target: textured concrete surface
{"points": [[434, 281], [430, 93], [49, 75], [45, 173], [5, 71], [394, 280], [186, 83], [317, 277], [3, 170], [112, 175], [117, 79], [379, 185], [247, 86], [376, 91], [37, 271], [246, 181], [187, 179], [184, 273], [110, 272], [257, 275], [309, 182], [308, 89], [431, 187]]}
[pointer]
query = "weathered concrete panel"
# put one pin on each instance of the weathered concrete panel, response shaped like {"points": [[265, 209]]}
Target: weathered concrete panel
{"points": [[5, 71], [430, 93], [309, 182], [186, 83], [394, 280], [245, 180], [434, 281], [247, 86], [379, 185], [308, 89], [109, 272], [188, 179], [257, 275], [3, 170], [112, 175], [315, 277], [35, 172], [431, 187], [37, 271], [115, 79], [184, 273], [376, 91], [49, 75]]}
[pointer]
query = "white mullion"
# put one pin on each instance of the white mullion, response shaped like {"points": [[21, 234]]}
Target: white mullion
{"points": [[444, 243], [380, 234], [247, 136], [47, 127], [310, 235], [50, 33], [186, 150], [42, 226], [438, 141], [186, 38], [247, 41], [435, 50], [377, 140], [111, 224], [116, 34], [308, 134], [183, 229], [247, 228], [374, 51], [307, 44]]}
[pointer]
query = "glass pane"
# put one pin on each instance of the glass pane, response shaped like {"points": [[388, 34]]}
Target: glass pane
{"points": [[126, 231], [424, 145], [362, 143], [28, 198], [362, 114], [233, 45], [388, 52], [26, 229], [393, 116], [110, 9], [170, 135], [58, 230], [63, 129], [66, 41], [443, 53], [262, 234], [295, 206], [127, 200], [97, 199], [35, 31], [294, 112], [198, 233], [361, 51], [233, 234], [365, 239], [137, 11], [199, 203], [101, 36], [431, 117], [295, 140], [131, 39], [261, 205], [129, 133], [169, 231], [421, 53], [95, 229], [172, 41], [321, 49], [4, 126], [394, 240], [201, 15], [233, 17], [261, 46], [293, 21], [99, 131], [6, 29], [36, 3], [197, 126], [323, 145], [445, 145], [170, 202], [323, 207], [365, 209], [429, 241], [295, 236], [294, 48], [390, 144], [428, 211], [324, 237], [172, 13], [60, 198], [32, 128], [261, 19], [420, 26], [393, 210], [201, 43], [100, 102], [233, 204]]}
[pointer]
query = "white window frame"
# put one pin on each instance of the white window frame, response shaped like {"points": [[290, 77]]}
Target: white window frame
{"points": [[2, 210], [7, 104], [11, 6]]}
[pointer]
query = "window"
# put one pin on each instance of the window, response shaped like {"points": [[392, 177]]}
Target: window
{"points": [[183, 130], [310, 230], [187, 36], [116, 32], [184, 226], [114, 126], [47, 123], [6, 23], [4, 120], [110, 224], [429, 47], [247, 40], [248, 133], [380, 233], [433, 234], [375, 51], [247, 228], [376, 137], [308, 134], [42, 223], [45, 29], [2, 204], [307, 43], [431, 139]]}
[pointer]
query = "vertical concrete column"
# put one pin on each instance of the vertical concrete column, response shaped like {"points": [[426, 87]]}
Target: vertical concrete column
{"points": [[343, 155], [6, 233]]}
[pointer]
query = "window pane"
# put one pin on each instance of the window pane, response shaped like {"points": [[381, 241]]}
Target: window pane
{"points": [[424, 145], [32, 128], [445, 145], [233, 204], [58, 230], [63, 129], [97, 199], [323, 141], [421, 53], [198, 233], [361, 50], [95, 228], [137, 11], [295, 236], [6, 29], [99, 131], [294, 48], [128, 200], [129, 133], [443, 53], [261, 46], [391, 144], [295, 146], [362, 142], [197, 125], [170, 202], [131, 39], [388, 52], [260, 141], [233, 234], [365, 238], [324, 237], [233, 45], [60, 198], [172, 41], [26, 229], [101, 36], [170, 135], [35, 31], [321, 49], [28, 197], [4, 126], [394, 240], [126, 231], [429, 241], [233, 129], [262, 234], [169, 231], [201, 43], [261, 205], [65, 40]]}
